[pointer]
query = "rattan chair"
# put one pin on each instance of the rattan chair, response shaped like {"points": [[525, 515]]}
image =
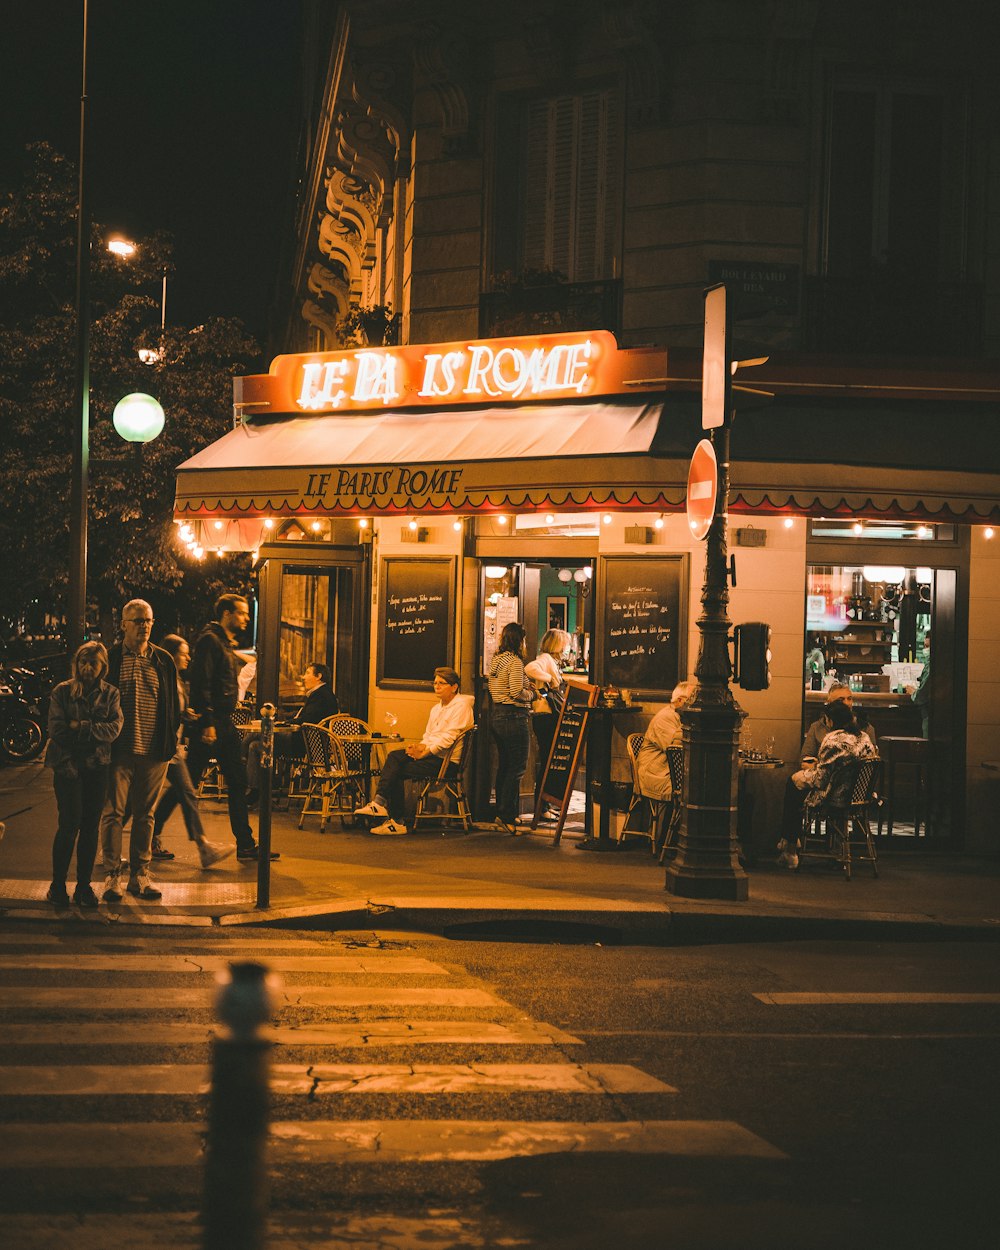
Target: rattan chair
{"points": [[675, 762], [447, 789], [634, 814], [333, 787], [213, 783], [363, 759], [832, 833]]}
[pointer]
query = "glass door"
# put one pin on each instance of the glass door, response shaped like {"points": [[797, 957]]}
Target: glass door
{"points": [[313, 612]]}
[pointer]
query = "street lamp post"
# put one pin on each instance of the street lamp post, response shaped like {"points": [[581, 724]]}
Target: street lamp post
{"points": [[77, 607], [707, 864]]}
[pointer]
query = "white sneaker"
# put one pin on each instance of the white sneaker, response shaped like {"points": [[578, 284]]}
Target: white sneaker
{"points": [[391, 828], [211, 852], [112, 888], [374, 808]]}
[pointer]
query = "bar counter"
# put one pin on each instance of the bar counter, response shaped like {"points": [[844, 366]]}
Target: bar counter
{"points": [[889, 712]]}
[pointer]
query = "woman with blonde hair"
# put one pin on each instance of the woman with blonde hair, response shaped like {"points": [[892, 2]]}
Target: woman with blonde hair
{"points": [[85, 717], [545, 672]]}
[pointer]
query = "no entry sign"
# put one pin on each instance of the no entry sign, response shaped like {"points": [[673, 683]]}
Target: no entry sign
{"points": [[702, 489]]}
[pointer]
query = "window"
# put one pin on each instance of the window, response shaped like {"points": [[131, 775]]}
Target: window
{"points": [[895, 181], [559, 181]]}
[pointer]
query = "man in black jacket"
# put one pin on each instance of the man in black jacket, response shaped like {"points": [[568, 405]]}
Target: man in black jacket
{"points": [[214, 695], [147, 682], [321, 702]]}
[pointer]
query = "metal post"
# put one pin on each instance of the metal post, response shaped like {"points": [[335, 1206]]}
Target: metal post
{"points": [[236, 1197], [76, 608], [264, 826], [707, 861]]}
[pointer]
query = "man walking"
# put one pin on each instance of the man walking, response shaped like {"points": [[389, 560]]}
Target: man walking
{"points": [[147, 685], [214, 695]]}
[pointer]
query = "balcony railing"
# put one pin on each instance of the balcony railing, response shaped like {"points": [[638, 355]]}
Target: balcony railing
{"points": [[894, 316], [550, 309]]}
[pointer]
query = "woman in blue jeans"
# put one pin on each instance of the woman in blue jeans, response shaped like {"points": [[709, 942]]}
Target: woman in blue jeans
{"points": [[511, 693]]}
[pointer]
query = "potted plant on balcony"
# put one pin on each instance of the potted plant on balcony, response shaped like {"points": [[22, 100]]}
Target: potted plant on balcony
{"points": [[373, 325]]}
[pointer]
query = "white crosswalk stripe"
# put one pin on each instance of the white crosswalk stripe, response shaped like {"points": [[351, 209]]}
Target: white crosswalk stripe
{"points": [[333, 1003]]}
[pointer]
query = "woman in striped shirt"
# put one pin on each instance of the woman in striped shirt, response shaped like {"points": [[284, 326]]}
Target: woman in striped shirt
{"points": [[511, 693]]}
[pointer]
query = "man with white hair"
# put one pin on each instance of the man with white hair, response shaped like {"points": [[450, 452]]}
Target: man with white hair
{"points": [[147, 684]]}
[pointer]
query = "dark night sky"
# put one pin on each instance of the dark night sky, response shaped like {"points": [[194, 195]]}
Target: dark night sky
{"points": [[192, 128]]}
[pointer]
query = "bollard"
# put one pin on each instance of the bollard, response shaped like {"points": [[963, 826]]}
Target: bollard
{"points": [[266, 789], [235, 1198]]}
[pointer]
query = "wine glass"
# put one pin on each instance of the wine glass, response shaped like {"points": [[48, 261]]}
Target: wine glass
{"points": [[769, 747], [391, 720]]}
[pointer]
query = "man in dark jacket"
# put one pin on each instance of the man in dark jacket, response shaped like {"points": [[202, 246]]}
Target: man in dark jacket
{"points": [[214, 695], [320, 703], [147, 685]]}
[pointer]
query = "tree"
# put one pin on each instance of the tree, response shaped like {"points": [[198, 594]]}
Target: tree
{"points": [[132, 545]]}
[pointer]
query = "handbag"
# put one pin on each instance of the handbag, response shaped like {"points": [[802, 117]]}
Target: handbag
{"points": [[540, 706]]}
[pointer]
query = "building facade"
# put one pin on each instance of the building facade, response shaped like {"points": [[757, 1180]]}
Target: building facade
{"points": [[474, 175]]}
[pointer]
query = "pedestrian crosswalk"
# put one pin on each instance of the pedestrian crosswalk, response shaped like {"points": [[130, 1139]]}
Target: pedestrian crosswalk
{"points": [[380, 1056]]}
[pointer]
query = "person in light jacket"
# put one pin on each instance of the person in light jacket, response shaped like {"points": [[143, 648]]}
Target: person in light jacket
{"points": [[85, 718], [663, 731]]}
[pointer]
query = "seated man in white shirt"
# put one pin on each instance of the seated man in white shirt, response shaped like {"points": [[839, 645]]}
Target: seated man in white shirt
{"points": [[450, 717]]}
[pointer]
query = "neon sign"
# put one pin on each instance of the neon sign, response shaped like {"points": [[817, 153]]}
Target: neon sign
{"points": [[555, 366]]}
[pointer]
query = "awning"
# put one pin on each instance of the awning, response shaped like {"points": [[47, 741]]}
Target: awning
{"points": [[455, 460], [617, 455]]}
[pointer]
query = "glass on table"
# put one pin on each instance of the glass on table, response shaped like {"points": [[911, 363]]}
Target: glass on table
{"points": [[769, 747]]}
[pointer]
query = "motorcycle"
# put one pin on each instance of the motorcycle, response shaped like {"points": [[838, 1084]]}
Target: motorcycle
{"points": [[21, 733]]}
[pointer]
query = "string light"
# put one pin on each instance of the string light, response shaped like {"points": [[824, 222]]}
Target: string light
{"points": [[606, 518], [316, 527], [268, 523], [858, 528], [218, 525], [988, 532], [658, 523], [789, 522], [456, 525], [413, 525], [550, 518], [501, 520], [363, 523]]}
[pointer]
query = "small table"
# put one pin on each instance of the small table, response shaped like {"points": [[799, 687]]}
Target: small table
{"points": [[601, 720], [915, 752], [745, 801]]}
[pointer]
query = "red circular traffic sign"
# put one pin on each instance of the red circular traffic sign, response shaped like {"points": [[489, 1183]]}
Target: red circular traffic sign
{"points": [[702, 489]]}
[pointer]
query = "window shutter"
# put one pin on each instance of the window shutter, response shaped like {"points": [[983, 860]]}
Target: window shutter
{"points": [[569, 211]]}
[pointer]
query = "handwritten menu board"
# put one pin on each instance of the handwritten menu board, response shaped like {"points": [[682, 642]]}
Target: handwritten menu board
{"points": [[416, 621], [642, 622], [564, 755]]}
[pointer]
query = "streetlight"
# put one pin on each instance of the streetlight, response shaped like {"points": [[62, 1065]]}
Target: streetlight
{"points": [[80, 469]]}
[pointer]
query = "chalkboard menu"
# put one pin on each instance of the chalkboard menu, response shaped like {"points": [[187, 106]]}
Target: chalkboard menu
{"points": [[642, 622], [564, 755], [416, 621]]}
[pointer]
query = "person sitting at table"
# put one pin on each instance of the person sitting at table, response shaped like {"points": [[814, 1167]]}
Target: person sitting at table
{"points": [[321, 702], [449, 719], [829, 781], [663, 731], [820, 727]]}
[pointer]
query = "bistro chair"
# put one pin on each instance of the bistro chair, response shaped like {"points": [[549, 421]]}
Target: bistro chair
{"points": [[333, 787], [675, 762], [833, 833], [447, 789], [362, 759], [655, 808], [213, 783]]}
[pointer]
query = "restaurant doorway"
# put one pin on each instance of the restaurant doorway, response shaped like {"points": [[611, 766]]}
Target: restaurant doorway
{"points": [[874, 618], [313, 605], [540, 594]]}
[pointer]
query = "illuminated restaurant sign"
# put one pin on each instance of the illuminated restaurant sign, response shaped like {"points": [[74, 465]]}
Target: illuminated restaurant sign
{"points": [[514, 370]]}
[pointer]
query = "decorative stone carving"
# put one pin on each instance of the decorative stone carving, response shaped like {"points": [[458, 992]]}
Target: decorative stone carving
{"points": [[792, 25], [366, 150], [444, 60], [331, 287], [323, 319], [341, 241]]}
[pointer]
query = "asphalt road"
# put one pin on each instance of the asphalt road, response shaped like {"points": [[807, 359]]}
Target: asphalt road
{"points": [[461, 1094]]}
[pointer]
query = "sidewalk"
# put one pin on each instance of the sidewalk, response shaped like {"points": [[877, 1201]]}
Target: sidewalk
{"points": [[489, 884]]}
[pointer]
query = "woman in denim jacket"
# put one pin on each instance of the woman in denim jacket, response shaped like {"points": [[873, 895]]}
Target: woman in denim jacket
{"points": [[85, 717]]}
